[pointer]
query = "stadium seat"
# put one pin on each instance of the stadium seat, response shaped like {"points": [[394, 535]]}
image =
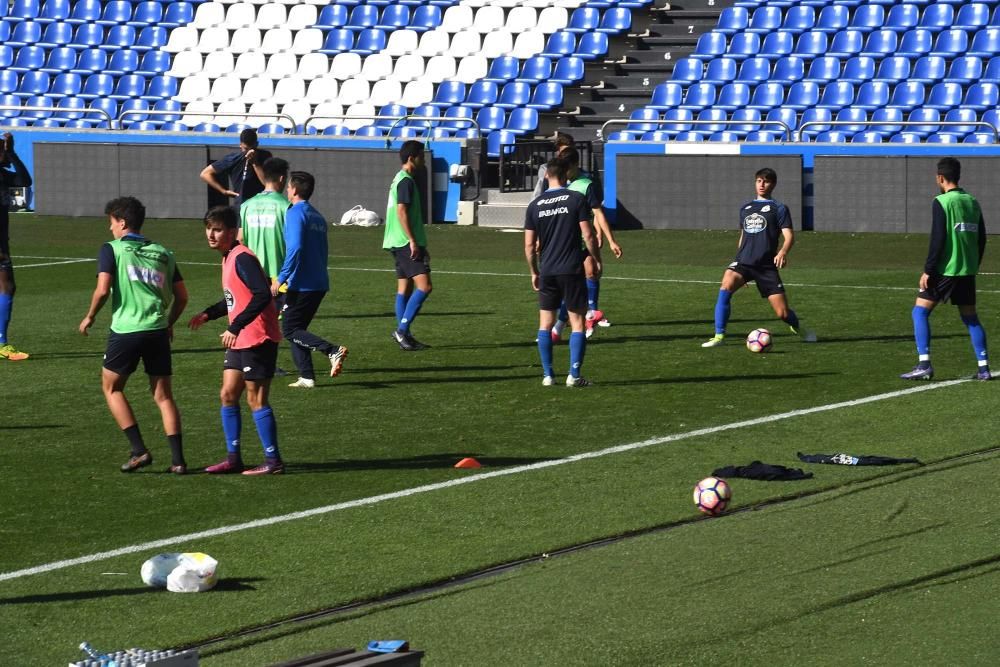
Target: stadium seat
{"points": [[97, 86], [643, 120], [858, 118], [503, 69], [402, 42], [868, 137], [979, 138], [488, 18], [482, 94], [25, 34], [992, 71], [394, 17], [70, 108], [833, 18], [514, 94], [366, 130], [362, 17], [168, 110], [87, 35], [824, 69], [547, 95], [100, 107], [354, 91], [699, 96], [832, 137], [847, 43], [325, 115], [872, 95], [8, 100], [981, 96], [902, 17], [133, 111], [868, 17], [744, 45], [711, 121], [559, 44], [336, 129], [879, 44], [814, 121], [124, 61], [388, 116], [784, 115], [535, 70], [667, 96], [720, 71], [175, 14], [337, 41], [457, 18], [429, 112], [802, 95], [964, 70], [457, 118], [811, 44], [928, 69], [471, 69], [744, 121], [28, 59], [680, 116], [798, 18], [371, 41], [985, 43], [915, 43], [84, 11], [590, 47], [965, 116], [950, 43], [765, 19], [521, 17], [615, 20], [449, 93], [91, 61], [907, 95], [491, 118], [732, 96], [858, 69], [777, 45], [53, 11], [931, 116], [497, 43], [893, 69], [972, 16], [568, 70], [767, 96], [889, 120], [788, 70], [752, 71], [55, 35], [687, 70], [584, 20], [425, 17], [937, 17], [153, 63], [33, 83], [552, 18], [500, 140], [944, 96], [66, 84], [763, 136], [146, 13], [465, 43], [116, 12], [376, 66], [732, 20], [522, 121]]}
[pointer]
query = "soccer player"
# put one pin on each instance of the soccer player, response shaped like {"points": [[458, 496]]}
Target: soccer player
{"points": [[240, 168], [304, 274], [562, 142], [958, 240], [251, 342], [262, 219], [582, 182], [553, 226], [147, 296], [763, 222], [406, 238], [18, 178]]}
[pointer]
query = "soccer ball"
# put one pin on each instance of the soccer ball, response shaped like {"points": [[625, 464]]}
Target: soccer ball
{"points": [[712, 495], [759, 340]]}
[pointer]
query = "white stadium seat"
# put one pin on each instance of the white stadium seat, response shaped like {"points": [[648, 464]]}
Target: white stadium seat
{"points": [[497, 43], [184, 38], [299, 110], [346, 65], [465, 43], [417, 93], [218, 63], [327, 109], [362, 114], [307, 40], [520, 19], [439, 68], [312, 65], [228, 87], [271, 15], [385, 92], [199, 111], [457, 18], [185, 64], [280, 65], [249, 64], [264, 111], [488, 19], [528, 44], [302, 16], [209, 15], [240, 15], [471, 69], [408, 68], [323, 89], [377, 66], [231, 106], [258, 88], [353, 90], [288, 90], [275, 40], [244, 40], [553, 19], [401, 42], [433, 43], [194, 87], [213, 39]]}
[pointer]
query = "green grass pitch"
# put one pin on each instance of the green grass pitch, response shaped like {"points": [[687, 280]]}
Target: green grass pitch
{"points": [[892, 565]]}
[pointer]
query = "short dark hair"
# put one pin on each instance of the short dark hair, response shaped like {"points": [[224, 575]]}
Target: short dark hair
{"points": [[128, 209], [224, 214], [563, 139], [249, 137], [304, 182], [768, 174], [274, 169], [950, 169], [410, 148], [557, 167], [571, 156]]}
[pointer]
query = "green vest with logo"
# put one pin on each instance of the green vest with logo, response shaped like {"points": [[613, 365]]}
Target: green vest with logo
{"points": [[961, 249], [143, 285], [395, 237], [262, 218]]}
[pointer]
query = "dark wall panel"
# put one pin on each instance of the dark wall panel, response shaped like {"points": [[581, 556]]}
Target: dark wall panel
{"points": [[698, 192], [165, 178], [75, 179]]}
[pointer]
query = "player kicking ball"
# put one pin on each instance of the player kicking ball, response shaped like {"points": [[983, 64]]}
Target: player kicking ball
{"points": [[251, 342], [763, 223]]}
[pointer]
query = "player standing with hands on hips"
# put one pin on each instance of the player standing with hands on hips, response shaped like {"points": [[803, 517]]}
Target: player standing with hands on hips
{"points": [[958, 240], [763, 222]]}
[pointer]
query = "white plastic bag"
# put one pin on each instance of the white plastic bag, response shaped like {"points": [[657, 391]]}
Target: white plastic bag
{"points": [[359, 215], [181, 572]]}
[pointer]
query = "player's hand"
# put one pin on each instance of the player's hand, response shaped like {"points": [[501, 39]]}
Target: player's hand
{"points": [[85, 324], [534, 281], [197, 321], [275, 285], [616, 249], [228, 339], [230, 193], [600, 238], [414, 250], [780, 260], [924, 281], [598, 268]]}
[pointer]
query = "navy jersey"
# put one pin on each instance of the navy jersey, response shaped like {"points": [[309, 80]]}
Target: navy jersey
{"points": [[555, 217], [762, 221]]}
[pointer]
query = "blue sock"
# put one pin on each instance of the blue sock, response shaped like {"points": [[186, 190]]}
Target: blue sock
{"points": [[922, 333], [267, 431], [563, 312], [792, 319], [413, 305], [232, 426], [593, 292], [577, 347], [400, 307], [545, 351], [6, 304], [978, 336], [722, 310]]}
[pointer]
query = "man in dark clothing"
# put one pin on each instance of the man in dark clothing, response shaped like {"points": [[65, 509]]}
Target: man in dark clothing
{"points": [[16, 178], [241, 169]]}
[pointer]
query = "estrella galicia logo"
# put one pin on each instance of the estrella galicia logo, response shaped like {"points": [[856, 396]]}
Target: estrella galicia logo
{"points": [[230, 301], [754, 223]]}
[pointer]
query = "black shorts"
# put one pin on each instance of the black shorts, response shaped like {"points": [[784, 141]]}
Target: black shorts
{"points": [[766, 277], [256, 363], [125, 350], [960, 290], [6, 263], [407, 267], [570, 289]]}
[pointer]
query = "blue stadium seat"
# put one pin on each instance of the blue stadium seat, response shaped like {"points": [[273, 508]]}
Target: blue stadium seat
{"points": [[105, 104], [811, 44], [124, 61], [406, 131], [785, 115], [859, 69], [449, 93], [931, 116], [55, 35], [992, 116], [972, 16], [47, 122], [937, 17], [118, 37], [943, 138], [964, 70], [992, 71], [689, 136], [38, 101], [146, 13], [981, 96], [803, 95], [370, 41], [98, 86], [33, 83], [837, 95], [880, 43], [5, 33], [336, 130], [833, 18], [503, 69], [85, 11], [559, 44], [8, 100], [753, 70], [763, 136], [699, 96], [133, 111], [151, 37], [872, 95], [53, 11], [902, 17], [709, 45], [824, 69], [777, 45], [720, 71], [514, 94], [733, 96], [28, 59], [91, 61], [966, 116], [985, 43], [115, 12], [767, 96], [668, 96], [128, 86], [547, 95], [428, 111], [424, 18], [25, 34], [979, 138], [266, 128], [744, 121], [799, 18], [868, 137], [893, 69], [907, 95], [500, 140], [336, 15], [846, 44], [568, 70], [153, 63], [592, 45], [852, 115], [584, 20], [868, 17], [944, 96], [535, 70], [712, 120], [161, 87], [61, 59], [394, 17], [337, 41], [491, 118], [832, 137], [7, 57], [640, 120], [725, 136], [87, 35], [453, 118], [950, 43], [928, 69], [23, 10], [789, 70], [915, 43], [733, 20], [176, 14], [687, 70], [765, 19], [362, 17], [891, 118], [744, 45], [165, 106], [213, 127], [615, 20], [71, 108], [389, 115], [680, 116], [66, 84]]}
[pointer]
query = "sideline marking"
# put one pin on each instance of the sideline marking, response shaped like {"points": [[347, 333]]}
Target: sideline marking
{"points": [[403, 493], [65, 261]]}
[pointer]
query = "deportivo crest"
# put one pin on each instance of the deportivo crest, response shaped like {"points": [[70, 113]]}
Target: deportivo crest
{"points": [[230, 301], [754, 223]]}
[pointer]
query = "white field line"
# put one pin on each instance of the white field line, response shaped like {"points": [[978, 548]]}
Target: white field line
{"points": [[427, 488], [64, 261]]}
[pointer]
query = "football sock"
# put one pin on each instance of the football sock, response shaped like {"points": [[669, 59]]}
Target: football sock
{"points": [[722, 310], [413, 305], [267, 430], [563, 313], [577, 347], [978, 336], [135, 440], [400, 307], [922, 332], [176, 449], [6, 304], [558, 327], [791, 319], [232, 425], [545, 351], [593, 293]]}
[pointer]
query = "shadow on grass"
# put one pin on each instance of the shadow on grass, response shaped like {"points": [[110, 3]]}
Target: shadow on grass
{"points": [[430, 380], [392, 316], [720, 378], [428, 461], [26, 427], [223, 585]]}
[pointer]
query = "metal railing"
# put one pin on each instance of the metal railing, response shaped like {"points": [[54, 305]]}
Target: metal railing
{"points": [[519, 166], [893, 123], [63, 110], [395, 120], [213, 114], [627, 121]]}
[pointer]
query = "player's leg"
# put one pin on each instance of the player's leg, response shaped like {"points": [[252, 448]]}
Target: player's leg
{"points": [[574, 293], [258, 383], [964, 296], [293, 326], [121, 358], [921, 313], [7, 289], [594, 314], [731, 281], [546, 319], [422, 287], [158, 365], [232, 389], [404, 287]]}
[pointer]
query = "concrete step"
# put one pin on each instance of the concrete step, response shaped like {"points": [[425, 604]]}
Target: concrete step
{"points": [[510, 216]]}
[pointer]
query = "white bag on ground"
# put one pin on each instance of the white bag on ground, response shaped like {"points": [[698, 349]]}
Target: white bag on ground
{"points": [[181, 572], [361, 217]]}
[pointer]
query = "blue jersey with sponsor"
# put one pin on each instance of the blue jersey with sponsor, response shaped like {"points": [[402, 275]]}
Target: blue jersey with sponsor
{"points": [[761, 221], [305, 269]]}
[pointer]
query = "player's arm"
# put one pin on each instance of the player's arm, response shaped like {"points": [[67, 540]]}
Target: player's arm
{"points": [[601, 222], [939, 225], [531, 248], [590, 240], [257, 157], [213, 312], [787, 241], [294, 225], [982, 237], [19, 178], [97, 301], [208, 175]]}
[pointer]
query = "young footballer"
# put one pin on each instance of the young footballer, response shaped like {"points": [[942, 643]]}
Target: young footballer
{"points": [[16, 178]]}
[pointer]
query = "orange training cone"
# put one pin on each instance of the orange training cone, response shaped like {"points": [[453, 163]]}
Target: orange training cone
{"points": [[468, 462]]}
